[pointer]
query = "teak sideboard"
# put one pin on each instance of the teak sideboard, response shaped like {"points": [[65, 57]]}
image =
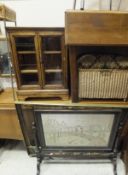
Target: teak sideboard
{"points": [[94, 33], [40, 62]]}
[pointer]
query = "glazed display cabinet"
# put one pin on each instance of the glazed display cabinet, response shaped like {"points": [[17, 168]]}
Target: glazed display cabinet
{"points": [[40, 62]]}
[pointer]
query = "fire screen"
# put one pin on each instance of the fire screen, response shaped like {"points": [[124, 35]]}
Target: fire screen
{"points": [[77, 129], [73, 132]]}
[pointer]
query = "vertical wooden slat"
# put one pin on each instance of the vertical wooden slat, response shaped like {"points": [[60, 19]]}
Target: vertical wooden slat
{"points": [[74, 74]]}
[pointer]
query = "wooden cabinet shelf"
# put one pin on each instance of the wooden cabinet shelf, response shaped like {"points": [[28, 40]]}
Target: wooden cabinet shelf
{"points": [[26, 52], [25, 71], [53, 70], [39, 58], [29, 86], [52, 52]]}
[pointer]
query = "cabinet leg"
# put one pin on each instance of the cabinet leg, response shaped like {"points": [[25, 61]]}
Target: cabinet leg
{"points": [[39, 160], [114, 161]]}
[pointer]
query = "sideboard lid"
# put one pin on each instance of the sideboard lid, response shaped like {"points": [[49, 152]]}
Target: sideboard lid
{"points": [[96, 27]]}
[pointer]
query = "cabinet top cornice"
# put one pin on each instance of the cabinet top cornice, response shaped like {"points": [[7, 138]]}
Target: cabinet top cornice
{"points": [[9, 29]]}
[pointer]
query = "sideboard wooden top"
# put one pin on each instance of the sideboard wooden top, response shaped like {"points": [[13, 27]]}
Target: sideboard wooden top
{"points": [[96, 27], [7, 101], [89, 103]]}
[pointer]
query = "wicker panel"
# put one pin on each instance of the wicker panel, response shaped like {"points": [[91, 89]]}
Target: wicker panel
{"points": [[94, 83]]}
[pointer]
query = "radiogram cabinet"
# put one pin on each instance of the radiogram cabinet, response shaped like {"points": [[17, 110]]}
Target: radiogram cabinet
{"points": [[98, 54], [40, 62]]}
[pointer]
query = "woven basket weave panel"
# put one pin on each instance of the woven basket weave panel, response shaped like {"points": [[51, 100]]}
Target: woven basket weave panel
{"points": [[105, 84]]}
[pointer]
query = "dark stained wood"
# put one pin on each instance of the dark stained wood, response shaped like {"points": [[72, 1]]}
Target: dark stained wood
{"points": [[64, 61], [96, 27], [19, 30], [74, 74], [125, 145]]}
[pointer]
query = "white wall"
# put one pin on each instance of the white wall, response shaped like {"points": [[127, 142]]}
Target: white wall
{"points": [[47, 13], [40, 12]]}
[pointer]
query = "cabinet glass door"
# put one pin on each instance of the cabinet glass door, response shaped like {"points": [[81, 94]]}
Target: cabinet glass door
{"points": [[52, 54], [27, 61]]}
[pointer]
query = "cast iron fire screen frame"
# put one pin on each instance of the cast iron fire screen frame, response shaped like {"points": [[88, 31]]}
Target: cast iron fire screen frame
{"points": [[75, 154], [41, 135], [45, 152]]}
